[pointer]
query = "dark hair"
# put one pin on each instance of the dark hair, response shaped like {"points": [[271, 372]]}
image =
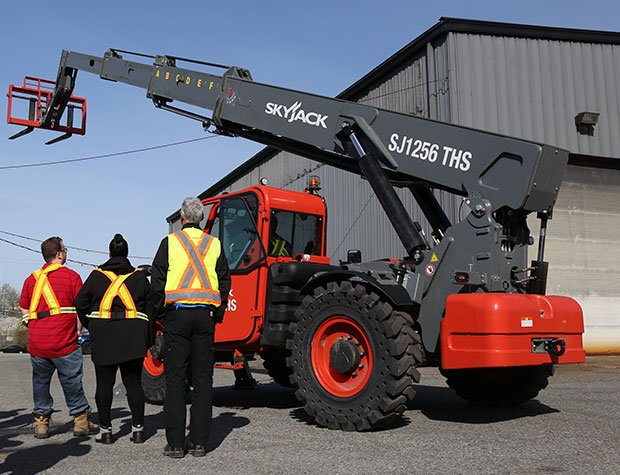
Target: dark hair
{"points": [[50, 247], [118, 246]]}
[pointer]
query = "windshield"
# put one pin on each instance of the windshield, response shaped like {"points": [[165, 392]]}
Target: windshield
{"points": [[235, 226]]}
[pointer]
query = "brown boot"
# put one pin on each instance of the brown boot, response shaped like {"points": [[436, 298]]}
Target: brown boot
{"points": [[41, 427], [82, 425]]}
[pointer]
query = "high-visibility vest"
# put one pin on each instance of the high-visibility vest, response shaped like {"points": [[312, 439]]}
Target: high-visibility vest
{"points": [[278, 247], [42, 288], [117, 288], [191, 277]]}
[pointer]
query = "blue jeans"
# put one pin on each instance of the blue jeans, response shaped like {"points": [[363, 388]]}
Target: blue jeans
{"points": [[70, 375]]}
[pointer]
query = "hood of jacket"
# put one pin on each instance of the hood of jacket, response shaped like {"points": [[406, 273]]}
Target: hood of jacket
{"points": [[118, 265]]}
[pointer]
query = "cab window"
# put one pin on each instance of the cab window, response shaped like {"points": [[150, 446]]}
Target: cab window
{"points": [[291, 234]]}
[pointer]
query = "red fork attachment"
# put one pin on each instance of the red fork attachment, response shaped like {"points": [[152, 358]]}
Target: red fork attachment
{"points": [[494, 330], [31, 103]]}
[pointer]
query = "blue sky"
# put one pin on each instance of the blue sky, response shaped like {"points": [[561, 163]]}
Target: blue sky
{"points": [[320, 47]]}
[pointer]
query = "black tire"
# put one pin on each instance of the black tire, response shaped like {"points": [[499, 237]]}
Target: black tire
{"points": [[391, 341], [499, 387], [154, 386], [274, 361]]}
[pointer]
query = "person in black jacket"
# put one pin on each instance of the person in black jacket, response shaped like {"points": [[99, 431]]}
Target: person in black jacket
{"points": [[114, 304], [191, 282]]}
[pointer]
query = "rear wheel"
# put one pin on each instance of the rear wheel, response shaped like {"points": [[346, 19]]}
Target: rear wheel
{"points": [[500, 387], [153, 379], [353, 357]]}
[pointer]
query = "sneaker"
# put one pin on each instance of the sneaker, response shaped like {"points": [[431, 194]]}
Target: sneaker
{"points": [[197, 450], [104, 436], [82, 425], [137, 434], [41, 427], [173, 452]]}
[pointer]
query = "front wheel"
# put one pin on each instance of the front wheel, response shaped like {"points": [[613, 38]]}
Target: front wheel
{"points": [[499, 387], [353, 357]]}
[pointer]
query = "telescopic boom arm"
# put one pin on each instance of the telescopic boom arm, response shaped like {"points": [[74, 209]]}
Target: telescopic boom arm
{"points": [[383, 146], [507, 171]]}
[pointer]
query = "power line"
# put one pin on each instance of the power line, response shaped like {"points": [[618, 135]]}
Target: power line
{"points": [[34, 250], [69, 247], [353, 224], [442, 89], [106, 155]]}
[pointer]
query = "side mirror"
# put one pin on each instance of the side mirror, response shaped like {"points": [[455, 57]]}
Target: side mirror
{"points": [[354, 256]]}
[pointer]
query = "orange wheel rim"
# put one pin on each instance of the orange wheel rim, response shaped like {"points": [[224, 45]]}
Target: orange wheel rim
{"points": [[350, 382]]}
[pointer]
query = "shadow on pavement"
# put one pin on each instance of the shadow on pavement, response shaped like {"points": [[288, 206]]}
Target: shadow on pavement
{"points": [[395, 422], [36, 459], [443, 404], [270, 395], [222, 426], [14, 420]]}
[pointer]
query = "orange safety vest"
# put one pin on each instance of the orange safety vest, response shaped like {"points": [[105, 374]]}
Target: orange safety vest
{"points": [[191, 277], [117, 288], [42, 288]]}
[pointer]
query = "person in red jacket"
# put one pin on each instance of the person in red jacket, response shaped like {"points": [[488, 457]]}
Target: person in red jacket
{"points": [[47, 305]]}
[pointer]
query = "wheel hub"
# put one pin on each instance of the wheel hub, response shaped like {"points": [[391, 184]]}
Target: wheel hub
{"points": [[344, 355]]}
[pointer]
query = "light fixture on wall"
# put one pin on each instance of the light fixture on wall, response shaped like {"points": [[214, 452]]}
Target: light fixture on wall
{"points": [[585, 122]]}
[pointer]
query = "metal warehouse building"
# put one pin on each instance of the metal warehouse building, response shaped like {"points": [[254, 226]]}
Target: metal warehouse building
{"points": [[525, 81]]}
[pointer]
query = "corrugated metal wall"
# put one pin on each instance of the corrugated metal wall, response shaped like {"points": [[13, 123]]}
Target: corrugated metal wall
{"points": [[533, 89], [584, 251]]}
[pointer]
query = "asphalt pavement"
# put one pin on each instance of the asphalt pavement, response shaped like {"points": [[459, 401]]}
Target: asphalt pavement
{"points": [[572, 427]]}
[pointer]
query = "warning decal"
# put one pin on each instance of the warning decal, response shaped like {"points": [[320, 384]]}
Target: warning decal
{"points": [[527, 322], [434, 258]]}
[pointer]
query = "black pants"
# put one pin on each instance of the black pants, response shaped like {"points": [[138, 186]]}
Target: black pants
{"points": [[188, 337], [131, 373]]}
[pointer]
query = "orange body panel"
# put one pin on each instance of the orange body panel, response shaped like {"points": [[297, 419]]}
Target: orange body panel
{"points": [[494, 330]]}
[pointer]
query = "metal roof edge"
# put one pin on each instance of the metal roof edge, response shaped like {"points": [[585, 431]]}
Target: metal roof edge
{"points": [[483, 27], [495, 28]]}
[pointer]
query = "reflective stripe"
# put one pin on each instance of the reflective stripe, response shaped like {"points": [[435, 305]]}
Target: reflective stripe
{"points": [[139, 315], [117, 288], [195, 260], [194, 295], [191, 277], [42, 288]]}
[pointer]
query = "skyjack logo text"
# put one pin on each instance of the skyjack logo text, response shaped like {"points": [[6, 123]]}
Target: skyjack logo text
{"points": [[295, 113]]}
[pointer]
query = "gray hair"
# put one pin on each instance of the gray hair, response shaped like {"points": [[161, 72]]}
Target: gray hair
{"points": [[191, 210]]}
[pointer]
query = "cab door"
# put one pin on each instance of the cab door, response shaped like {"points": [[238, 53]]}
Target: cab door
{"points": [[233, 221]]}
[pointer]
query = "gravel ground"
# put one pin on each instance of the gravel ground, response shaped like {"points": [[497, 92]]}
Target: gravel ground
{"points": [[573, 427]]}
